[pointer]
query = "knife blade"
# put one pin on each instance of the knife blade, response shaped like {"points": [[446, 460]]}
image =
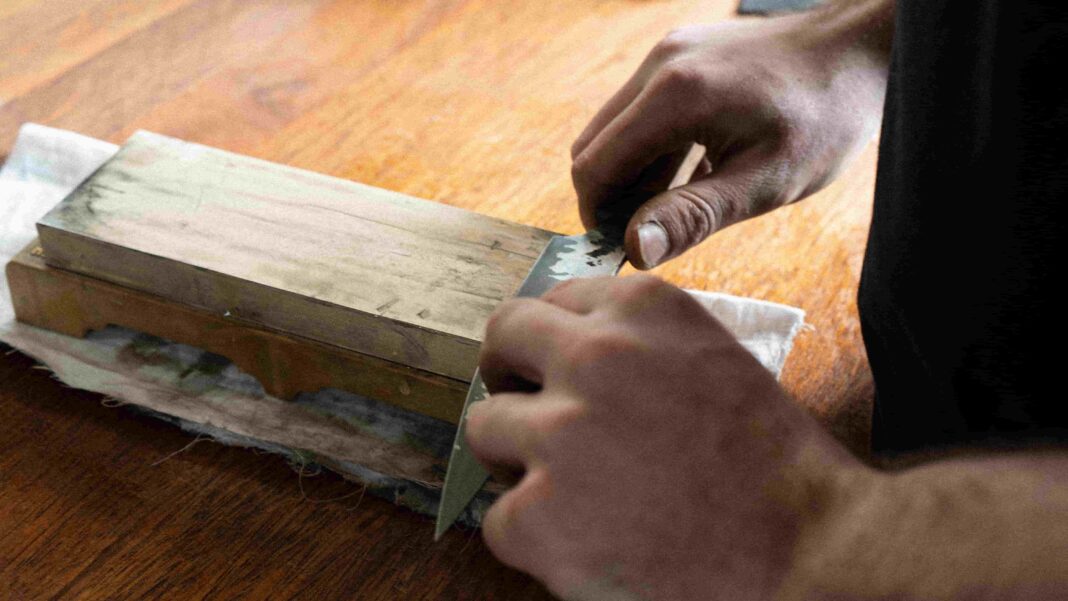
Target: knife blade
{"points": [[598, 252]]}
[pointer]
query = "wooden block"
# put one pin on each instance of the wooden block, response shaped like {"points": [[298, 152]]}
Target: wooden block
{"points": [[74, 304], [398, 278]]}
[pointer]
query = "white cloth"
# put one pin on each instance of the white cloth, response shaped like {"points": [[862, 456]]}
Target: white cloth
{"points": [[46, 164]]}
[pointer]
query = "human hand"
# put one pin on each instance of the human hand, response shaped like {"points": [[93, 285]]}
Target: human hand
{"points": [[780, 105], [662, 461]]}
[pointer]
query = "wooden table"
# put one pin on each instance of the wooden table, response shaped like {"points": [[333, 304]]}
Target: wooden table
{"points": [[467, 102]]}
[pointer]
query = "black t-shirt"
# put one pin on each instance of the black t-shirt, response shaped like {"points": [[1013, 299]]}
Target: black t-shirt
{"points": [[960, 300]]}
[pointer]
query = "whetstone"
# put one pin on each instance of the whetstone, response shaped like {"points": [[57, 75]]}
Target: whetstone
{"points": [[402, 279]]}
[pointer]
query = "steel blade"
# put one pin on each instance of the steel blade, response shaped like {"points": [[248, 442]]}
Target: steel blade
{"points": [[589, 255]]}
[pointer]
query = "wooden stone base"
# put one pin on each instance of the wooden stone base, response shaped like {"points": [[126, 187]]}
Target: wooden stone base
{"points": [[74, 304]]}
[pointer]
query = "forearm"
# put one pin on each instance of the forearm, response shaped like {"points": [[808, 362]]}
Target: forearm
{"points": [[862, 27], [958, 529], [853, 39]]}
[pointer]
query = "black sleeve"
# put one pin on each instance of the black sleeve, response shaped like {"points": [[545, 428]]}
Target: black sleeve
{"points": [[960, 292]]}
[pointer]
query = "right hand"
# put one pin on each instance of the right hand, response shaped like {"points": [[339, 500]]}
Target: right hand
{"points": [[660, 459], [781, 106]]}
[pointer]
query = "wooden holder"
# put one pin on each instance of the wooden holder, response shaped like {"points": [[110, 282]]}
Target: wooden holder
{"points": [[75, 304]]}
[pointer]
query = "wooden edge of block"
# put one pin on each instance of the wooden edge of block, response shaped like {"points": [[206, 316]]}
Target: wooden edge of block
{"points": [[285, 364], [254, 303]]}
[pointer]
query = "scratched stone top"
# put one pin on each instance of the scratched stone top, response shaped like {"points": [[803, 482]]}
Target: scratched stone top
{"points": [[380, 272]]}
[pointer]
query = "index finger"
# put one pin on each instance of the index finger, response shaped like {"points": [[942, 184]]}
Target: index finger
{"points": [[616, 104], [648, 129]]}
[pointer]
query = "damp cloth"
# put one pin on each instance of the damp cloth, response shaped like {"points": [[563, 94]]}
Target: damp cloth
{"points": [[394, 453]]}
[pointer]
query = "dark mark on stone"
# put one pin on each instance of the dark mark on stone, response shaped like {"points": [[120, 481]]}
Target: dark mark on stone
{"points": [[121, 175], [386, 305], [86, 197], [98, 186]]}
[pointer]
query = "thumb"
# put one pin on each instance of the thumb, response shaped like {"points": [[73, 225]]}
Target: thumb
{"points": [[675, 220]]}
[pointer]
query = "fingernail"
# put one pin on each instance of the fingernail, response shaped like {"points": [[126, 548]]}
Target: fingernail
{"points": [[652, 242]]}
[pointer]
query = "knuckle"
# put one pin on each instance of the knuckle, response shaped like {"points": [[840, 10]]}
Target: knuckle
{"points": [[675, 42], [499, 316], [580, 166], [637, 288], [559, 291], [512, 313], [546, 424], [477, 420], [576, 147], [680, 77], [781, 126], [597, 350], [497, 335], [582, 176], [541, 327]]}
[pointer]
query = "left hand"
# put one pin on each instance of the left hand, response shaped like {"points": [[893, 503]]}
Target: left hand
{"points": [[662, 460]]}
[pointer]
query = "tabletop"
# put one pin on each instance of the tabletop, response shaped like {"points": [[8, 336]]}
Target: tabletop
{"points": [[473, 103]]}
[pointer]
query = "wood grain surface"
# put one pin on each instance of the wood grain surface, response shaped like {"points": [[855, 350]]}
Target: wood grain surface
{"points": [[471, 103]]}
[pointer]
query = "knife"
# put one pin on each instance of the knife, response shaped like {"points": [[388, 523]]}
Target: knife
{"points": [[598, 252]]}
